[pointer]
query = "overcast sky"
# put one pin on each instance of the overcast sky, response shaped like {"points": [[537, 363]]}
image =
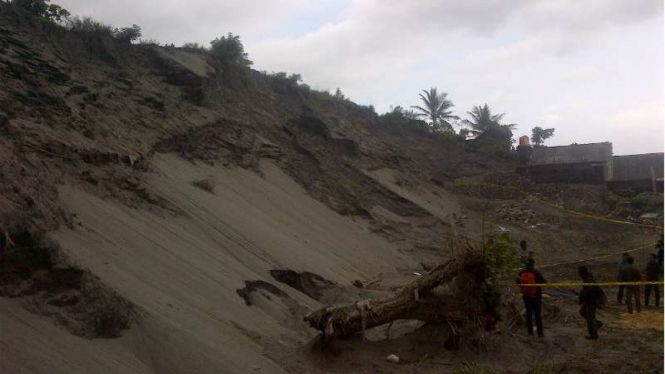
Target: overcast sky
{"points": [[592, 69]]}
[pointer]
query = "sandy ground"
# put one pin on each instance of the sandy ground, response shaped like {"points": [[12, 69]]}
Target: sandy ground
{"points": [[183, 271]]}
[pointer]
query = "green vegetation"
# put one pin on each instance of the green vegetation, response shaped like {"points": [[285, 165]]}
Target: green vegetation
{"points": [[402, 120], [647, 201], [193, 47], [87, 26], [128, 34], [482, 120], [539, 135], [435, 108], [229, 49], [502, 258], [488, 129], [42, 9]]}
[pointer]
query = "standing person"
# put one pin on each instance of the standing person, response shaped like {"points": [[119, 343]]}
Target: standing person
{"points": [[659, 246], [620, 276], [591, 297], [653, 273], [524, 254], [631, 274], [532, 296]]}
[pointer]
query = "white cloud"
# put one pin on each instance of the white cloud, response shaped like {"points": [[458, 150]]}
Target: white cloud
{"points": [[630, 118], [583, 73], [551, 119]]}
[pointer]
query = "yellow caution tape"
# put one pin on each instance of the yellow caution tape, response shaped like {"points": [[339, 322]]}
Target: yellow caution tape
{"points": [[593, 258], [577, 284], [597, 257], [559, 207]]}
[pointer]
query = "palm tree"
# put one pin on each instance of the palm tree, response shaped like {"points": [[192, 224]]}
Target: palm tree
{"points": [[482, 120], [436, 109]]}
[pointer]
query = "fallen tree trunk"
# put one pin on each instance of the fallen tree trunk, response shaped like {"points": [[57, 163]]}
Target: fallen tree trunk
{"points": [[415, 301]]}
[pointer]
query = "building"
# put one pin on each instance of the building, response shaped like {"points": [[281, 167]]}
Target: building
{"points": [[576, 163], [637, 172], [590, 163]]}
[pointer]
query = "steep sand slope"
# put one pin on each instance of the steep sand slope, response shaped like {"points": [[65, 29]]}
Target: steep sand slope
{"points": [[437, 201], [183, 271], [32, 344]]}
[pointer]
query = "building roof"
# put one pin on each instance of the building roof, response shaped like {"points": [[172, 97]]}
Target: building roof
{"points": [[570, 154]]}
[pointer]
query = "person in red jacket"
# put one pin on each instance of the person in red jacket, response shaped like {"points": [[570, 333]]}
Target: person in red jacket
{"points": [[532, 296]]}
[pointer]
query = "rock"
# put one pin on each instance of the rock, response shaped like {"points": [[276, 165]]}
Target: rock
{"points": [[515, 213], [206, 185], [392, 358]]}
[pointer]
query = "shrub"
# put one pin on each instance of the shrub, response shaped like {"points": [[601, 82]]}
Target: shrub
{"points": [[646, 201], [339, 95], [229, 49], [88, 26], [106, 313], [129, 34], [502, 258], [193, 46], [401, 120], [282, 82], [295, 78], [41, 9], [306, 90]]}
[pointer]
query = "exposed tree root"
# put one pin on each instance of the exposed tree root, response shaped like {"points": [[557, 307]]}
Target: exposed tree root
{"points": [[449, 292]]}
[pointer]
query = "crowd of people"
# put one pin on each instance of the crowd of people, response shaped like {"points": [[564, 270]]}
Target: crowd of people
{"points": [[591, 296]]}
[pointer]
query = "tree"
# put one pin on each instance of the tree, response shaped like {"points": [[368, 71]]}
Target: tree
{"points": [[128, 34], [339, 95], [482, 120], [436, 109], [295, 78], [40, 8], [467, 286], [539, 135], [229, 49]]}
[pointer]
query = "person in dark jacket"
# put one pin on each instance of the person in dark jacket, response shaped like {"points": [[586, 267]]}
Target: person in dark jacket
{"points": [[533, 301], [659, 246], [620, 275], [590, 298], [525, 255], [631, 274], [653, 273]]}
